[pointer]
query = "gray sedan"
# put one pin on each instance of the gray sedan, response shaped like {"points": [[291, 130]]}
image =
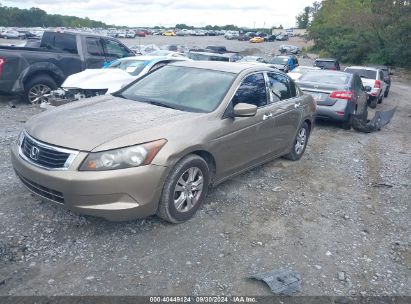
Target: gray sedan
{"points": [[338, 94]]}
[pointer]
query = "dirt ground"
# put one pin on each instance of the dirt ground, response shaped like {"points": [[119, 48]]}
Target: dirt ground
{"points": [[340, 217]]}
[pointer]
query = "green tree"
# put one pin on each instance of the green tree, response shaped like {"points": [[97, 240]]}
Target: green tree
{"points": [[303, 19]]}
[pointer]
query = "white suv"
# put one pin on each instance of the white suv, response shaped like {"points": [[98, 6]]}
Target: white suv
{"points": [[373, 81]]}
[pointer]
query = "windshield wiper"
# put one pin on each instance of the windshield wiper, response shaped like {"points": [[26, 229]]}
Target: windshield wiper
{"points": [[160, 104]]}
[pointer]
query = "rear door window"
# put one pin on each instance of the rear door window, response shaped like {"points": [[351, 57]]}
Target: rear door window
{"points": [[252, 91], [279, 86], [60, 41]]}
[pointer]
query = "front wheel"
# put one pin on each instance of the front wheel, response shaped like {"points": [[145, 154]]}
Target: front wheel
{"points": [[38, 89], [300, 143], [184, 190]]}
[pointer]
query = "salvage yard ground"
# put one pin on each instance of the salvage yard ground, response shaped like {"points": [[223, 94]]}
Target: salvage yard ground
{"points": [[340, 217]]}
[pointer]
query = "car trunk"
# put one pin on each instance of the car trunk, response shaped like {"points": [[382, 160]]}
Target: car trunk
{"points": [[321, 92]]}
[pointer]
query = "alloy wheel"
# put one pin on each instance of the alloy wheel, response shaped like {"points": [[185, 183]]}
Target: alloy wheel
{"points": [[39, 93], [188, 189], [300, 141]]}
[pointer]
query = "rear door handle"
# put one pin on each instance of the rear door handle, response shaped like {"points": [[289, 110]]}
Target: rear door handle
{"points": [[267, 116], [297, 105]]}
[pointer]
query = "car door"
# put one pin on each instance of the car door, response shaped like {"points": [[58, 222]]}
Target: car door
{"points": [[244, 141], [95, 56], [287, 110]]}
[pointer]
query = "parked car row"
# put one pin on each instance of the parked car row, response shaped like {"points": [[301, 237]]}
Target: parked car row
{"points": [[152, 133], [255, 37]]}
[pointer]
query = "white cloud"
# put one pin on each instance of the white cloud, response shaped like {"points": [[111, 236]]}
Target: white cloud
{"points": [[171, 12]]}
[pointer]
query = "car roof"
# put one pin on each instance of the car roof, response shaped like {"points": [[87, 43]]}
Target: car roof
{"points": [[381, 67], [326, 59], [225, 54], [150, 58], [363, 68], [329, 72], [230, 67]]}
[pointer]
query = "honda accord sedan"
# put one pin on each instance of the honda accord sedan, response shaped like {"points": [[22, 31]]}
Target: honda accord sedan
{"points": [[158, 144]]}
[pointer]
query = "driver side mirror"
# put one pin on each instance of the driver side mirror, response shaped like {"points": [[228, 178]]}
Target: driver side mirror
{"points": [[244, 110], [367, 89]]}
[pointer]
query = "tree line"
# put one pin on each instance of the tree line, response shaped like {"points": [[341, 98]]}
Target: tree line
{"points": [[361, 31], [35, 17]]}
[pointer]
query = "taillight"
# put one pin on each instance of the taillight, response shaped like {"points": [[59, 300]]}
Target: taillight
{"points": [[2, 62], [377, 84], [341, 94]]}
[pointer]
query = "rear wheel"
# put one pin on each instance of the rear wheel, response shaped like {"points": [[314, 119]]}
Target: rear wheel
{"points": [[373, 103], [38, 89], [184, 190], [386, 92], [381, 98], [300, 143]]}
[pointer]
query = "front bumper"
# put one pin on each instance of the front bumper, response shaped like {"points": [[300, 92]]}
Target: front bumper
{"points": [[116, 195]]}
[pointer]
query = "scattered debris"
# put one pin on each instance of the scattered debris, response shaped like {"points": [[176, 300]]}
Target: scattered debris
{"points": [[285, 282], [341, 275], [383, 185], [360, 122]]}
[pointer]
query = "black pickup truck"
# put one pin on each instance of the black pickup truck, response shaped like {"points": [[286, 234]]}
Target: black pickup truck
{"points": [[33, 72]]}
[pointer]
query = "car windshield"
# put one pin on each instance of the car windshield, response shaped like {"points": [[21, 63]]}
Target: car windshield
{"points": [[325, 64], [278, 60], [329, 78], [133, 67], [370, 74], [182, 88]]}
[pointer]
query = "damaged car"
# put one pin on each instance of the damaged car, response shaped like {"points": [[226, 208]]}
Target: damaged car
{"points": [[157, 145], [117, 74]]}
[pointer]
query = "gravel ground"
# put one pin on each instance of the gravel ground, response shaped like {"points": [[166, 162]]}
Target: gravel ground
{"points": [[340, 217]]}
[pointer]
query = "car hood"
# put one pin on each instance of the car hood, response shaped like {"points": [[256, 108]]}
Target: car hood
{"points": [[96, 79], [103, 122]]}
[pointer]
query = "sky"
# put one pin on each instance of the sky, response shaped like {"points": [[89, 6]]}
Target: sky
{"points": [[133, 13]]}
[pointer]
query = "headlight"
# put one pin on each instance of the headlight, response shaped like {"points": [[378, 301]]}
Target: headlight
{"points": [[20, 139], [128, 157]]}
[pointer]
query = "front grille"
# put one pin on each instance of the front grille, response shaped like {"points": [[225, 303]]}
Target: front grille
{"points": [[42, 191], [43, 156]]}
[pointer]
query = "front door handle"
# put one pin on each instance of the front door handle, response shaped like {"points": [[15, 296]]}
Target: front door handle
{"points": [[267, 116]]}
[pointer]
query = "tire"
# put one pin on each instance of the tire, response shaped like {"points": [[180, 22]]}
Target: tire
{"points": [[174, 205], [346, 125], [386, 92], [381, 98], [299, 144], [37, 88], [373, 103]]}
